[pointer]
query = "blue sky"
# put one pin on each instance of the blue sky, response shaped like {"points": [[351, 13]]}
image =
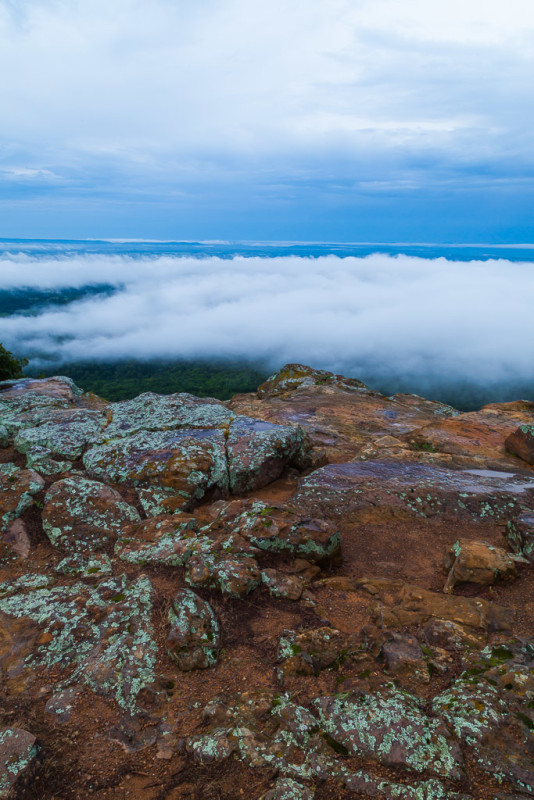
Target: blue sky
{"points": [[349, 120]]}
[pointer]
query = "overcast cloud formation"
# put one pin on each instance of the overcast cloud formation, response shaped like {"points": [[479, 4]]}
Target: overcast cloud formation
{"points": [[327, 119], [424, 325]]}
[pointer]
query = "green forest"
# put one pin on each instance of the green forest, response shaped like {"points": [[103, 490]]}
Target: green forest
{"points": [[126, 379]]}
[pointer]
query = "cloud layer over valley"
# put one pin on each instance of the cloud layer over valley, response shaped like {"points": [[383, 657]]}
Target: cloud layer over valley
{"points": [[404, 322]]}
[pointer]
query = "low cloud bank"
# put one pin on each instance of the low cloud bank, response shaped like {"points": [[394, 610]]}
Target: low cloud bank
{"points": [[436, 327]]}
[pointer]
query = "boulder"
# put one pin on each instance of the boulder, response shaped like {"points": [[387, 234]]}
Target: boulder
{"points": [[81, 515], [288, 789], [194, 637], [470, 561], [282, 585], [297, 376], [233, 575], [192, 462], [65, 435], [521, 443], [168, 540], [259, 452]]}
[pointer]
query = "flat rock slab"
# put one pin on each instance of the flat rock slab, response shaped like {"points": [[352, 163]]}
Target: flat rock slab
{"points": [[414, 490], [399, 604], [17, 488], [19, 762], [81, 515], [64, 433], [155, 412]]}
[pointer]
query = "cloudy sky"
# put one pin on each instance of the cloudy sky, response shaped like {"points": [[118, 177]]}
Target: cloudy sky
{"points": [[348, 120]]}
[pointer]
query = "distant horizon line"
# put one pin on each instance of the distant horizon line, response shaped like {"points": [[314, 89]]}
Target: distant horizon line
{"points": [[261, 242]]}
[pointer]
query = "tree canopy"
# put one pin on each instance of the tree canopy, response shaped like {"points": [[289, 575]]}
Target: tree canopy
{"points": [[10, 365]]}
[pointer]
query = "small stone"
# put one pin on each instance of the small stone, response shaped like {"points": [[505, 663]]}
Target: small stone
{"points": [[16, 536], [60, 705], [470, 561], [19, 761], [281, 585], [404, 659], [305, 569]]}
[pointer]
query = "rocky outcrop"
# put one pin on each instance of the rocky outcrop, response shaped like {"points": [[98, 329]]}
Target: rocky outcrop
{"points": [[314, 591]]}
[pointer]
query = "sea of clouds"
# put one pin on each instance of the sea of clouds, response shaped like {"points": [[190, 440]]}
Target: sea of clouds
{"points": [[399, 322]]}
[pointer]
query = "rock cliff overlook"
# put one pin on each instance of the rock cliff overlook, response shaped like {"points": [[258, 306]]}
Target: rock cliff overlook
{"points": [[313, 591]]}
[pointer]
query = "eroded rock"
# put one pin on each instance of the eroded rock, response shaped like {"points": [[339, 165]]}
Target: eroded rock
{"points": [[521, 443]]}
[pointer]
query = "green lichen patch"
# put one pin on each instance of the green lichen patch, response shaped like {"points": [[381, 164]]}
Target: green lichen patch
{"points": [[90, 567], [391, 728], [471, 709], [106, 644]]}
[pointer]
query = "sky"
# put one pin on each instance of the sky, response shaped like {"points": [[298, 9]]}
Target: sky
{"points": [[325, 120]]}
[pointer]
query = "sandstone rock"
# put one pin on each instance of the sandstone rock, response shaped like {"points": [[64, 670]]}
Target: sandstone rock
{"points": [[406, 490], [279, 529], [449, 635], [154, 412], [168, 539], [403, 658], [296, 376], [92, 567], [82, 515], [521, 443], [194, 637], [520, 535], [66, 435], [234, 575], [16, 536], [17, 488], [313, 650], [391, 728], [306, 570], [20, 756], [192, 463], [281, 585], [103, 633], [259, 452], [288, 789], [61, 705], [399, 604], [470, 561]]}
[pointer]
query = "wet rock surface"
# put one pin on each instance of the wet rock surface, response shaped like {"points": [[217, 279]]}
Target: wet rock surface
{"points": [[311, 592]]}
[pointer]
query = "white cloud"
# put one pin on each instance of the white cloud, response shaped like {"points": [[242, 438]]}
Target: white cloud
{"points": [[172, 86], [418, 321]]}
